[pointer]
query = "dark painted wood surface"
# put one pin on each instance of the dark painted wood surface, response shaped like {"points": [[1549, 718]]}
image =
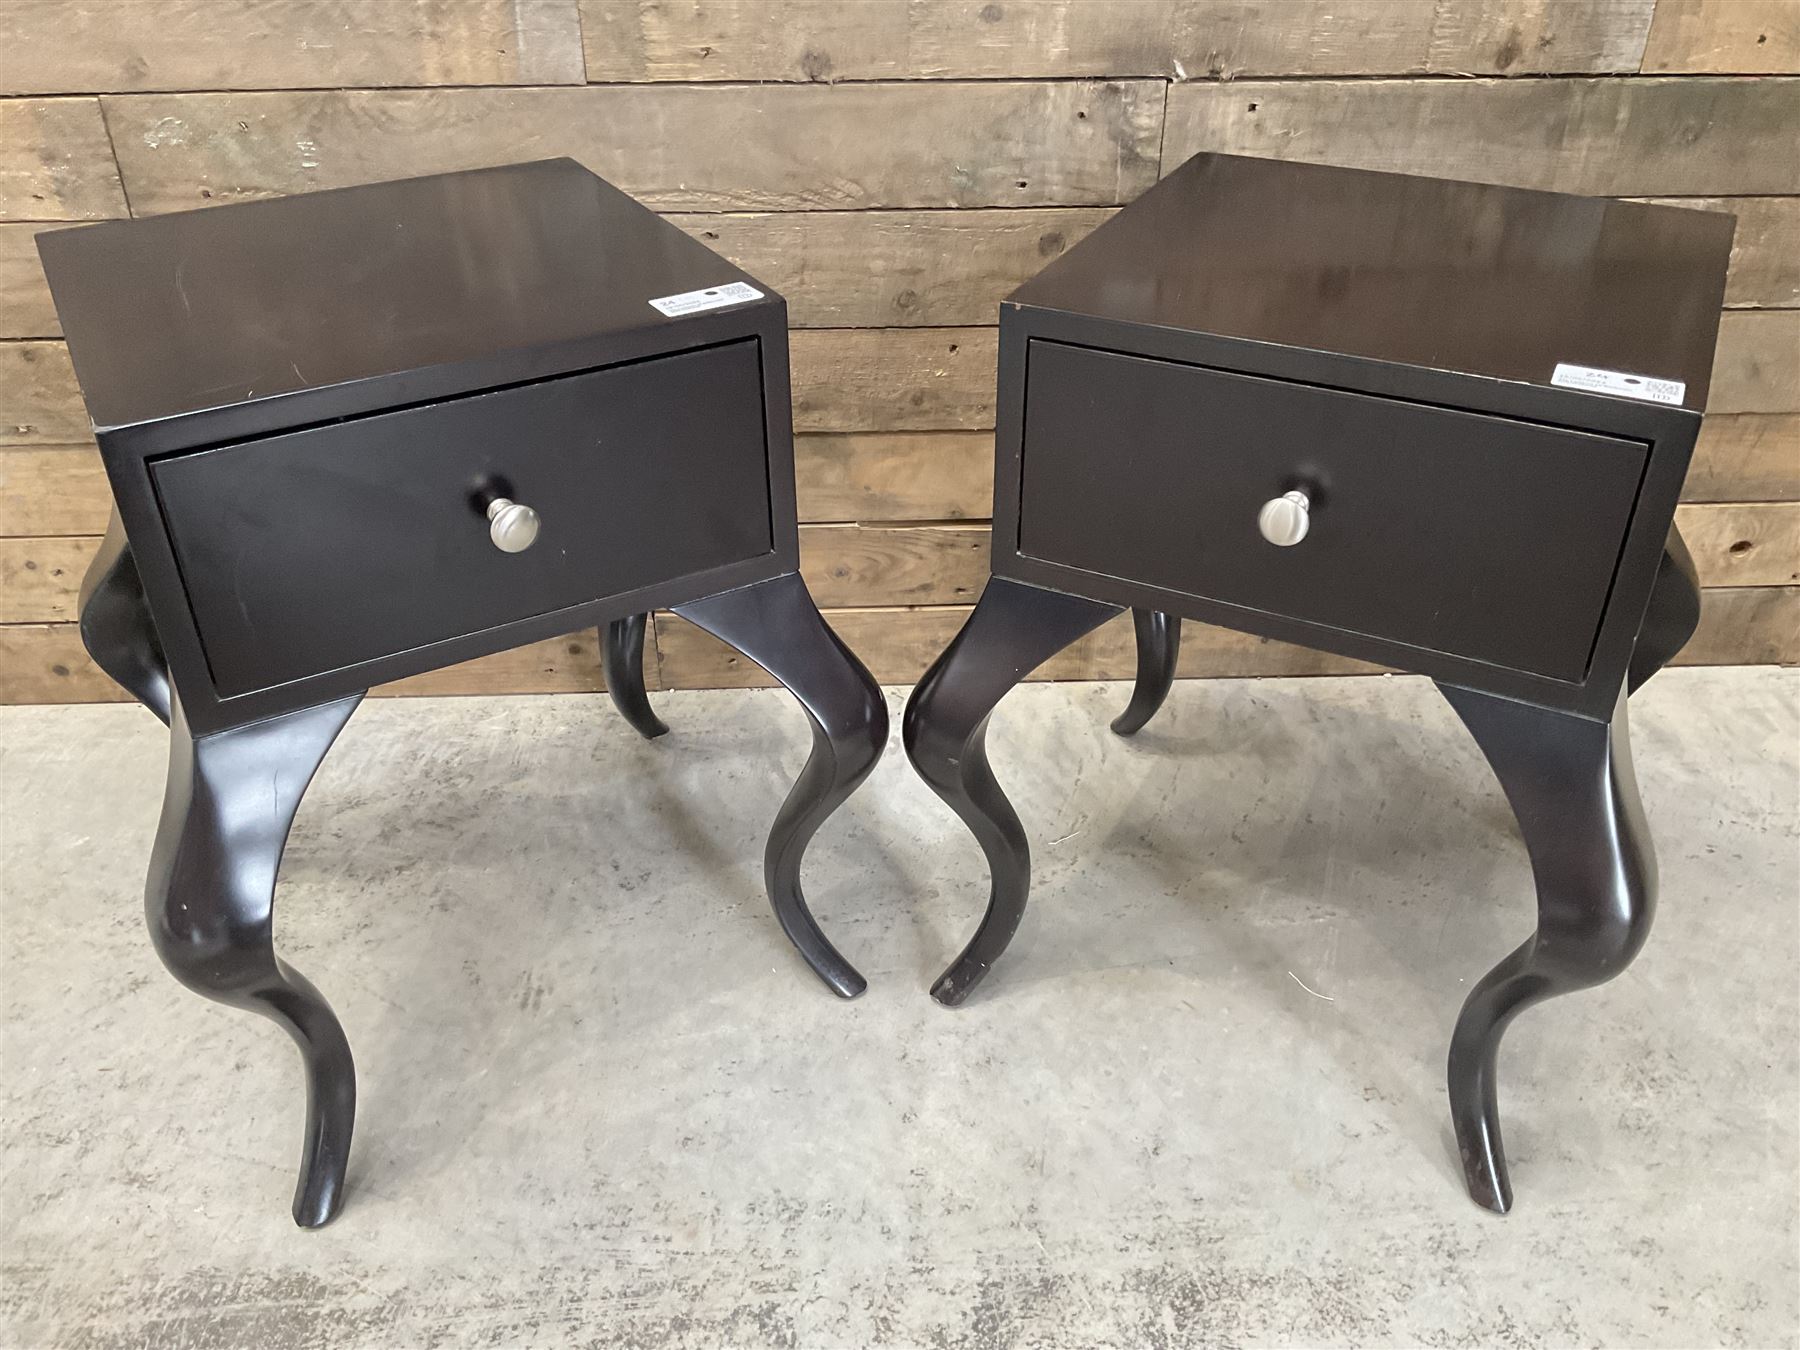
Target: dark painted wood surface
{"points": [[260, 300], [331, 547], [1447, 531], [1466, 277]]}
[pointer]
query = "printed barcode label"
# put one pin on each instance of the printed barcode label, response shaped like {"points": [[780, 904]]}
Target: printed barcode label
{"points": [[713, 297], [1617, 382]]}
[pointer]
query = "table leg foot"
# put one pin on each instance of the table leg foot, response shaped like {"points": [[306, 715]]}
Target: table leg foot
{"points": [[1570, 783], [622, 660], [209, 901], [776, 624], [116, 627], [1015, 628], [1158, 647], [1672, 615]]}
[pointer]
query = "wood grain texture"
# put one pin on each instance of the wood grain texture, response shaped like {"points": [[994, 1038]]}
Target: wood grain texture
{"points": [[25, 308], [822, 40], [873, 269], [844, 565], [881, 476], [55, 161], [1753, 626], [562, 665], [887, 566], [850, 565], [1748, 626], [1765, 251], [1743, 543], [1746, 457], [46, 663], [1538, 37], [859, 476], [40, 579], [40, 403], [898, 644], [1756, 368], [893, 379], [59, 490], [106, 46], [718, 148], [1723, 37], [1611, 137]]}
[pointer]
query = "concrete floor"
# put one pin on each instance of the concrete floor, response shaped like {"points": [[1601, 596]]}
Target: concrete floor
{"points": [[603, 1104]]}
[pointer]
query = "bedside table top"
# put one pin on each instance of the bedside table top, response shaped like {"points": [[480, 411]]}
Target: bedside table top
{"points": [[239, 304], [1469, 278]]}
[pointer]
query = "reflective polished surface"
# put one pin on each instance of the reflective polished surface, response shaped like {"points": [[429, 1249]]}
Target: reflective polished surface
{"points": [[1464, 277]]}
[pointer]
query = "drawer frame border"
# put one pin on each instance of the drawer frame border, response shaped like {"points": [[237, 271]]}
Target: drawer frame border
{"points": [[1668, 433], [128, 452]]}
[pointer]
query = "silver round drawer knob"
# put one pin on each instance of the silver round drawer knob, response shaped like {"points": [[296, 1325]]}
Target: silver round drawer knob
{"points": [[1284, 520], [512, 527]]}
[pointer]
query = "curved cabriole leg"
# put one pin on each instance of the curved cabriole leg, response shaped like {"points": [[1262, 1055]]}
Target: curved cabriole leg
{"points": [[1015, 628], [210, 899], [1570, 783], [1158, 647], [622, 660], [776, 624], [1672, 615], [116, 627]]}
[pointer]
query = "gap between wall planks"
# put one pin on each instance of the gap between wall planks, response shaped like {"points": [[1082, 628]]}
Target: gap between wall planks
{"points": [[907, 164]]}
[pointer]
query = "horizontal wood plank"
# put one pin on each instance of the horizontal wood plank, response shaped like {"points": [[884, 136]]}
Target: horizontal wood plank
{"points": [[844, 565], [849, 565], [1751, 626], [877, 269], [61, 490], [885, 476], [1756, 368], [678, 148], [55, 160], [865, 476], [893, 379], [1611, 137], [45, 663], [40, 403], [823, 40], [561, 665], [1743, 544], [1723, 37], [40, 579], [107, 46], [1765, 252], [898, 644], [889, 566], [914, 477], [1746, 457], [25, 308]]}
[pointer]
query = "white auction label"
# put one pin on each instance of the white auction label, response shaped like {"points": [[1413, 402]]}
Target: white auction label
{"points": [[1617, 382], [713, 297]]}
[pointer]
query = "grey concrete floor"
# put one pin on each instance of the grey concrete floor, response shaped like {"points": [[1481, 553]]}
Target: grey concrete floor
{"points": [[602, 1103]]}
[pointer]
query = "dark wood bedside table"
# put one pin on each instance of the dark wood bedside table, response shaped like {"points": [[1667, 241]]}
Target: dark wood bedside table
{"points": [[361, 434], [1437, 425]]}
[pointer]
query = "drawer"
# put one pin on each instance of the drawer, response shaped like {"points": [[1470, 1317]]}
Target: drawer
{"points": [[1482, 537], [322, 549]]}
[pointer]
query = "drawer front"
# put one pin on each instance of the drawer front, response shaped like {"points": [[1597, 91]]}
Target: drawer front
{"points": [[326, 548], [1485, 538]]}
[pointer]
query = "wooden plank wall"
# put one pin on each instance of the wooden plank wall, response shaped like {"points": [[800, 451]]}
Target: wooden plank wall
{"points": [[895, 167]]}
